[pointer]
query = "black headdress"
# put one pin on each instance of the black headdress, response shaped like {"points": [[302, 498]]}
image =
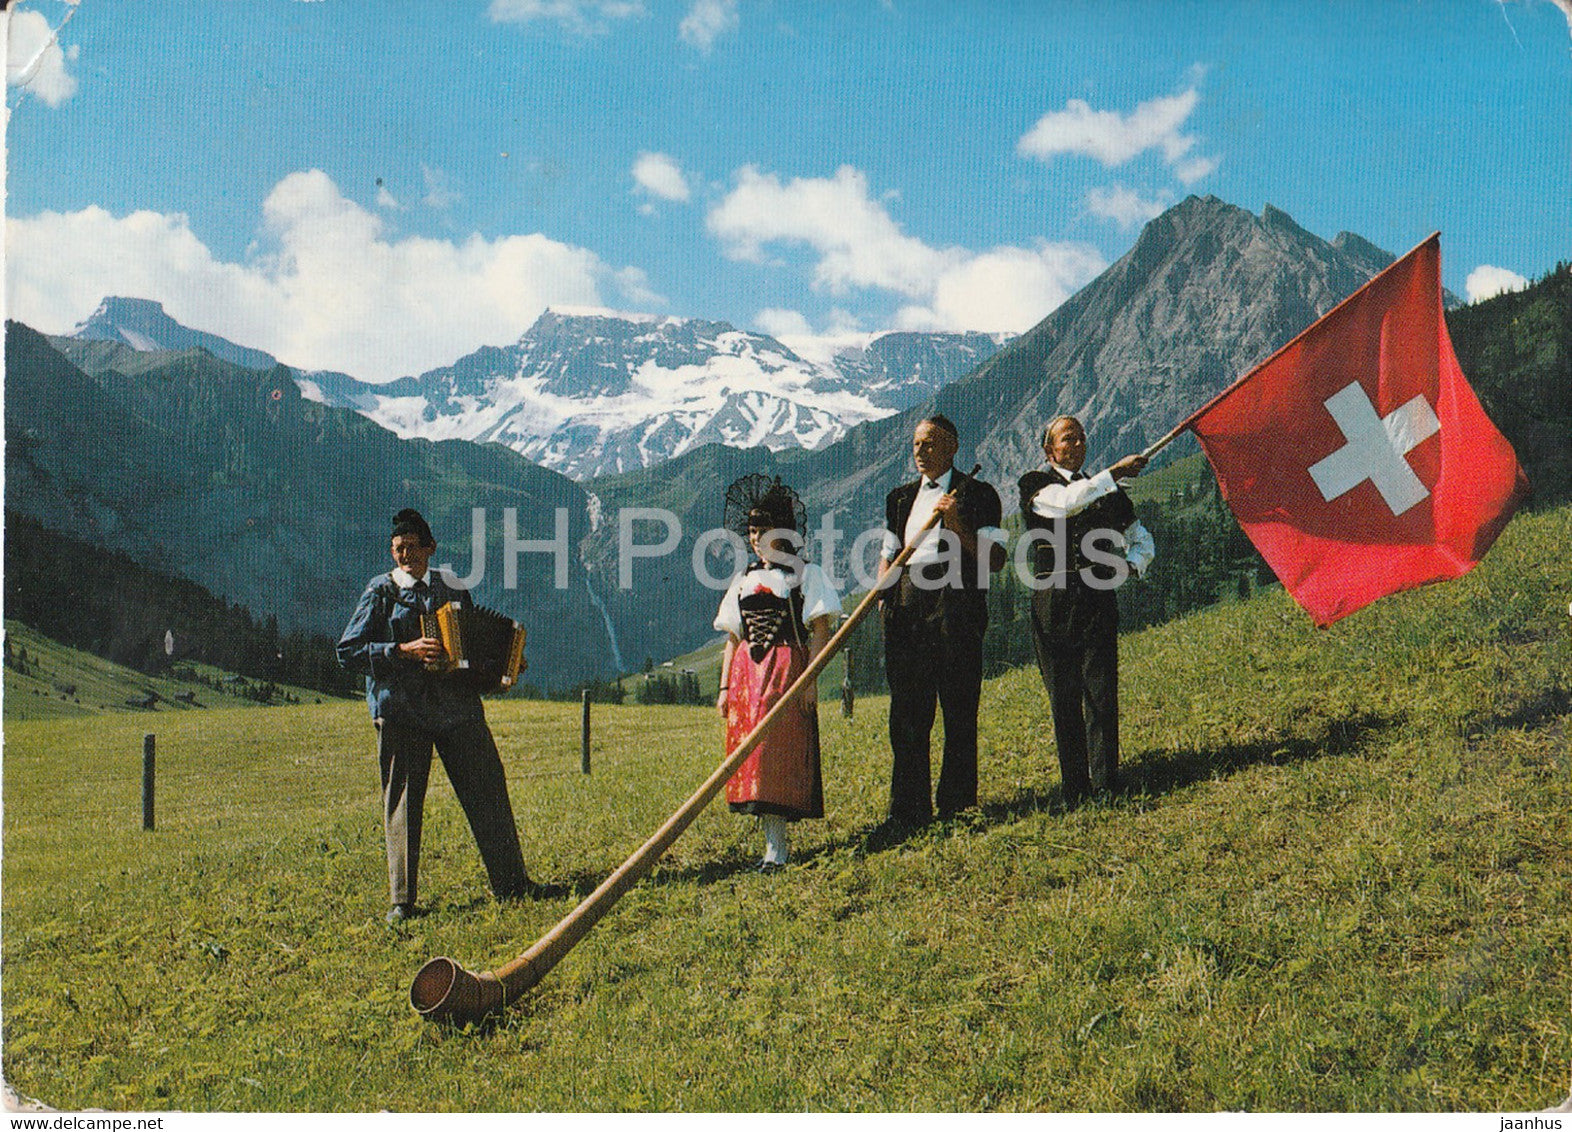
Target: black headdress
{"points": [[760, 500]]}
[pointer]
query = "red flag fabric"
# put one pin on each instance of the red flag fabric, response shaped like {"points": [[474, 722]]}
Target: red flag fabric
{"points": [[1357, 458]]}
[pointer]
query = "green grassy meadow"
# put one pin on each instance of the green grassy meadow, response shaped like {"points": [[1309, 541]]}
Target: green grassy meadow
{"points": [[1340, 879]]}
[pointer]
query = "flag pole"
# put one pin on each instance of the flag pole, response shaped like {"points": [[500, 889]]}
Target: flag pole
{"points": [[1172, 434]]}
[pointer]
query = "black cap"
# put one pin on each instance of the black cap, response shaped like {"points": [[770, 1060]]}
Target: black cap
{"points": [[410, 522]]}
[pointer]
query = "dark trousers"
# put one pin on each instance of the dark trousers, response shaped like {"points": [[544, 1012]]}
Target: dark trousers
{"points": [[933, 660], [469, 755], [1076, 632]]}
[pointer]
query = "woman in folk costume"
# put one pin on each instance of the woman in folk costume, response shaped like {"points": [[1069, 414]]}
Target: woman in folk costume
{"points": [[777, 616]]}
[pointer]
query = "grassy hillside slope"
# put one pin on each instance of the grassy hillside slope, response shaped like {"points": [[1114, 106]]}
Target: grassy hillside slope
{"points": [[1341, 879], [47, 680]]}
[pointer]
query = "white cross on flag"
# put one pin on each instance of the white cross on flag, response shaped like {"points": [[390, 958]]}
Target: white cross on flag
{"points": [[1357, 458]]}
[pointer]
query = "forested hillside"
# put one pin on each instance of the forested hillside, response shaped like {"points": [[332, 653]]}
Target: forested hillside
{"points": [[107, 603]]}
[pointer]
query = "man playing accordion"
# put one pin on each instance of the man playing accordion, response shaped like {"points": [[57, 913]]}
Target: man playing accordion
{"points": [[416, 706]]}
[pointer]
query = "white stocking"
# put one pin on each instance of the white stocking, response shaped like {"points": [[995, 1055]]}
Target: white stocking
{"points": [[777, 846]]}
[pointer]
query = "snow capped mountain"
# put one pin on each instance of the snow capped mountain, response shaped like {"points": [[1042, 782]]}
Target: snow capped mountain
{"points": [[899, 369], [596, 393]]}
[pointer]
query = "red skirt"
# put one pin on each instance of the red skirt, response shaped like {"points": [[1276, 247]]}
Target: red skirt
{"points": [[781, 776]]}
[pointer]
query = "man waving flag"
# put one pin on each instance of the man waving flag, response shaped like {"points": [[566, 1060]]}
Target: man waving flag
{"points": [[1357, 458]]}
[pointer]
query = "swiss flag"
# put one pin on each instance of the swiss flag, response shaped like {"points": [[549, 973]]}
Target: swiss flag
{"points": [[1357, 458]]}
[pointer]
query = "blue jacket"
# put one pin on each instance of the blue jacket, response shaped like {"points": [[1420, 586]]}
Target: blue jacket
{"points": [[397, 688]]}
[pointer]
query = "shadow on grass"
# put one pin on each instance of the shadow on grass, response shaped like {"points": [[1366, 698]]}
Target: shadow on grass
{"points": [[581, 884], [1149, 775], [1155, 773], [1548, 704]]}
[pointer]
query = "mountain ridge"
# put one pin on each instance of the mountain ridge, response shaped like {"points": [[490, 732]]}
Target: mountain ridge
{"points": [[144, 326], [1206, 292], [591, 393]]}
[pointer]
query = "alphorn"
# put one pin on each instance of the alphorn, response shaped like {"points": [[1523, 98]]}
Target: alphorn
{"points": [[443, 991]]}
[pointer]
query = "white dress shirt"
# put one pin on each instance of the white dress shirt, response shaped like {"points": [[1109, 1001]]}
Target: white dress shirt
{"points": [[928, 493], [1061, 500]]}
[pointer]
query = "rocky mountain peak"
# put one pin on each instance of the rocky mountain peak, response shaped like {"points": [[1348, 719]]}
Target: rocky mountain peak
{"points": [[119, 310], [554, 321], [1352, 244], [1272, 217], [144, 325], [1207, 291]]}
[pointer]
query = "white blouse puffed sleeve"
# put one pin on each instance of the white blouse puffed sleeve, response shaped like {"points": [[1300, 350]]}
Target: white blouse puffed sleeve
{"points": [[818, 594], [728, 619]]}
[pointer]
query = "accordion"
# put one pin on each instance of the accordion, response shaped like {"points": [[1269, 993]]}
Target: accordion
{"points": [[485, 649]]}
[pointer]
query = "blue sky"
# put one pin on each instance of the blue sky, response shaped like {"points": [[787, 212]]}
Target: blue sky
{"points": [[379, 188]]}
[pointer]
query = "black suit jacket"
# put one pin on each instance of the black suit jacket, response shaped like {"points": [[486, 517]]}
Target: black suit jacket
{"points": [[980, 507]]}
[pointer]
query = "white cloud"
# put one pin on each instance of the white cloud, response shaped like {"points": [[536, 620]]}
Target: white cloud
{"points": [[35, 60], [707, 21], [1114, 139], [582, 17], [441, 191], [634, 284], [1007, 288], [857, 242], [1486, 282], [779, 323], [330, 290], [1195, 169], [386, 199], [1125, 207], [858, 245], [660, 176], [1108, 136]]}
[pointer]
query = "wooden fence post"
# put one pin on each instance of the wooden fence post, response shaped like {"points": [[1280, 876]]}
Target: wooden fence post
{"points": [[147, 781], [584, 735], [848, 696]]}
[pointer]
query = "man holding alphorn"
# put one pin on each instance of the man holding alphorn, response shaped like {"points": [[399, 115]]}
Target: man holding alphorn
{"points": [[935, 615]]}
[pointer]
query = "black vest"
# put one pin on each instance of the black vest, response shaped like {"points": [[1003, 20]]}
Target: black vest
{"points": [[1112, 512], [768, 618]]}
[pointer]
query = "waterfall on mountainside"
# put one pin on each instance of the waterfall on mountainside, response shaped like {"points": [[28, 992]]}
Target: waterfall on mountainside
{"points": [[605, 615]]}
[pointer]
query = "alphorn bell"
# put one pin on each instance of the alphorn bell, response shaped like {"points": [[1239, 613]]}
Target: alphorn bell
{"points": [[443, 991]]}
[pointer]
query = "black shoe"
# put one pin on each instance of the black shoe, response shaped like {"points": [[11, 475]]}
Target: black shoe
{"points": [[398, 914], [771, 866]]}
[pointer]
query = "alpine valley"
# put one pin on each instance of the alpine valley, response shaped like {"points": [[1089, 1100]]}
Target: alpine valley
{"points": [[272, 486]]}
